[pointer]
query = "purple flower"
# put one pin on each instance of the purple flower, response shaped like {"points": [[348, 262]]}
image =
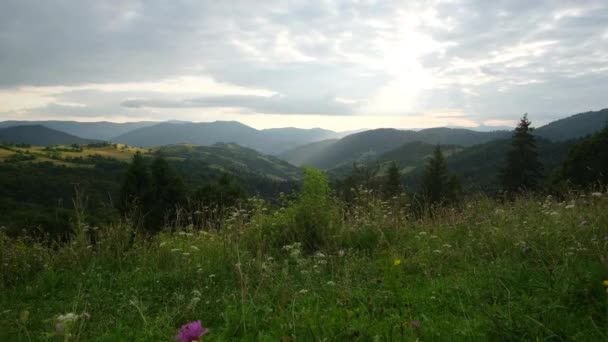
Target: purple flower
{"points": [[415, 324], [191, 332]]}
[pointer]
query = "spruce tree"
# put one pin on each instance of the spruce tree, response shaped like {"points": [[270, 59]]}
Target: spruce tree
{"points": [[437, 186], [586, 164], [168, 193], [392, 187], [523, 171], [135, 191]]}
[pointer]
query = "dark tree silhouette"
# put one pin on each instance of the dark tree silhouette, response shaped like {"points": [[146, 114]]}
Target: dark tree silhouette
{"points": [[523, 171], [587, 162], [437, 185], [392, 186], [168, 193], [136, 187]]}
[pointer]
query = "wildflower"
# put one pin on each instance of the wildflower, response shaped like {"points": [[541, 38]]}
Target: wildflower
{"points": [[605, 283], [436, 251], [331, 283], [162, 243], [596, 194], [554, 213], [415, 324], [191, 332], [570, 206], [174, 250], [186, 254], [69, 317], [397, 262], [194, 248], [303, 291]]}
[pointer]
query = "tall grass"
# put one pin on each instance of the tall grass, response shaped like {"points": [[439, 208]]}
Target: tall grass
{"points": [[316, 269]]}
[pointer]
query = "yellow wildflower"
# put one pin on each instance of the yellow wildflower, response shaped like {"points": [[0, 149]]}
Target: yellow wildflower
{"points": [[397, 262], [605, 282]]}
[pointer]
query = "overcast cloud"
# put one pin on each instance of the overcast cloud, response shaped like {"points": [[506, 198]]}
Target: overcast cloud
{"points": [[334, 64]]}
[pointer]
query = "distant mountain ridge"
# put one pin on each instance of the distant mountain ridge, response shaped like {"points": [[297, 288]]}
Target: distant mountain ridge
{"points": [[370, 145], [101, 130], [366, 145], [269, 141], [39, 135], [575, 126]]}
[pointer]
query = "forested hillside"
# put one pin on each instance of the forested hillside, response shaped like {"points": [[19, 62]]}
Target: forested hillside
{"points": [[38, 135]]}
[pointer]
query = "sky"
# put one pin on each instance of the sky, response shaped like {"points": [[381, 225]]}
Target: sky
{"points": [[340, 65]]}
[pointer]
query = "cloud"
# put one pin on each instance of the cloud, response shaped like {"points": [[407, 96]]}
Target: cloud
{"points": [[276, 104], [491, 60]]}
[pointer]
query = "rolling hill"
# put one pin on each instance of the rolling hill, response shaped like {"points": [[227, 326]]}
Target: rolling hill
{"points": [[478, 167], [369, 145], [408, 157], [102, 130], [575, 126], [38, 135], [269, 141], [235, 159]]}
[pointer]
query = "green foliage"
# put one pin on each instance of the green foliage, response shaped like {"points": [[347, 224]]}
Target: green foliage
{"points": [[530, 269], [152, 194], [523, 171], [587, 163], [226, 192], [136, 190], [437, 185], [308, 219], [392, 185], [20, 157]]}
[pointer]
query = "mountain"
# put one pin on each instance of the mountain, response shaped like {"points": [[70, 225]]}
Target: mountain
{"points": [[102, 130], [301, 154], [478, 167], [232, 158], [38, 135], [408, 157], [575, 126], [370, 144], [270, 141]]}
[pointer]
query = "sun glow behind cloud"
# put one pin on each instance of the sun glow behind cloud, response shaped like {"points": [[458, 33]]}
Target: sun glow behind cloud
{"points": [[335, 64]]}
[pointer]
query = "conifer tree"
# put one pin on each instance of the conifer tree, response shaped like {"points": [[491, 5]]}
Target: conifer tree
{"points": [[135, 191], [523, 171], [168, 193], [436, 185], [587, 162], [392, 187]]}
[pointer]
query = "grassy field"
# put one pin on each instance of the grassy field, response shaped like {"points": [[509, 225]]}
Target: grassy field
{"points": [[58, 153], [532, 269]]}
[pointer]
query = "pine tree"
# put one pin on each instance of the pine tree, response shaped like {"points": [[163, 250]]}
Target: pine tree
{"points": [[168, 193], [587, 162], [392, 187], [135, 190], [436, 185], [523, 171]]}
